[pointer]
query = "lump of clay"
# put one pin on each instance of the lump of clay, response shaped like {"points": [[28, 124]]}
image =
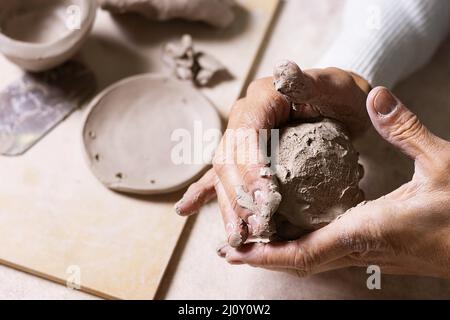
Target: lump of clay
{"points": [[218, 13], [187, 64], [318, 173]]}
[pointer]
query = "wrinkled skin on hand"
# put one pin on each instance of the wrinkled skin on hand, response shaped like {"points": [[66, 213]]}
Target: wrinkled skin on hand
{"points": [[218, 13], [331, 93], [404, 232]]}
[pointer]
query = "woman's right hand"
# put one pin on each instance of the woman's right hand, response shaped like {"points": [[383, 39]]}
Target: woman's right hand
{"points": [[331, 93]]}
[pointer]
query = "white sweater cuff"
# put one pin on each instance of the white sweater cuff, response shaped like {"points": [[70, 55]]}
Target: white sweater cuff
{"points": [[385, 41]]}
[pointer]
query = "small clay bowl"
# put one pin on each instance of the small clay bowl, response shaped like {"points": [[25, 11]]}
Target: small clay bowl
{"points": [[38, 35]]}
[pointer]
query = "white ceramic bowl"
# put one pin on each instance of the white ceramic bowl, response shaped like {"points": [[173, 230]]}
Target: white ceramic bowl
{"points": [[38, 35]]}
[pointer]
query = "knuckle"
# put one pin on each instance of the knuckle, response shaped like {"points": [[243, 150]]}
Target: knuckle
{"points": [[442, 161], [236, 208], [255, 87], [338, 77], [407, 128], [238, 106], [303, 260], [363, 243], [264, 255], [264, 92], [219, 167], [250, 173], [302, 273], [218, 161], [234, 204]]}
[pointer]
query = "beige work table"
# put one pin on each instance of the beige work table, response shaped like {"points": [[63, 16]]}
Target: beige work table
{"points": [[303, 29]]}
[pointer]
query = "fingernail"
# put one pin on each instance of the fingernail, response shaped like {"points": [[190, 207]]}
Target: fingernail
{"points": [[234, 237], [221, 250], [178, 207], [235, 240], [384, 102]]}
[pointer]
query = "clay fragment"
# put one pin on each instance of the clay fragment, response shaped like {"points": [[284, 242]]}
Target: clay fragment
{"points": [[263, 205], [188, 64], [217, 13]]}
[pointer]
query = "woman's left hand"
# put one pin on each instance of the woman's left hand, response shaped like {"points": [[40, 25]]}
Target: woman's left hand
{"points": [[405, 232]]}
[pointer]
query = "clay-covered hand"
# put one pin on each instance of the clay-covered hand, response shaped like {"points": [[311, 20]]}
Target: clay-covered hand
{"points": [[405, 232], [218, 13], [332, 93]]}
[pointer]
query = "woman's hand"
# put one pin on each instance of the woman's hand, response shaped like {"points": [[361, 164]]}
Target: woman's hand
{"points": [[331, 93], [405, 232]]}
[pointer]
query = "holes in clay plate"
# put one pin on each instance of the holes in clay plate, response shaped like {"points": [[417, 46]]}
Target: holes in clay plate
{"points": [[119, 175], [97, 157], [92, 135], [152, 181]]}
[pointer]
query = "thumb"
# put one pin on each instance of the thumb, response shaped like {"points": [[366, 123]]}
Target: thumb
{"points": [[308, 254], [399, 126]]}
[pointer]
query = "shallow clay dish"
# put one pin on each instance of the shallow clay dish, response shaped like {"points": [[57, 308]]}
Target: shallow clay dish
{"points": [[128, 133], [38, 35]]}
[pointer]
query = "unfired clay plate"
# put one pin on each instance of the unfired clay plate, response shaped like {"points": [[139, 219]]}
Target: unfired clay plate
{"points": [[128, 134]]}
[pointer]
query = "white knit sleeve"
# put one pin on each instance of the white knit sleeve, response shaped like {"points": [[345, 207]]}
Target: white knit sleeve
{"points": [[386, 40]]}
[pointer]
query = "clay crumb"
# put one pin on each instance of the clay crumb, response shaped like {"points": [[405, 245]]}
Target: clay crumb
{"points": [[177, 207], [244, 199], [217, 13], [189, 65], [266, 172]]}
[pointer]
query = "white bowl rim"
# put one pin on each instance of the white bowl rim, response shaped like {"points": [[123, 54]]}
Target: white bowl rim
{"points": [[37, 51]]}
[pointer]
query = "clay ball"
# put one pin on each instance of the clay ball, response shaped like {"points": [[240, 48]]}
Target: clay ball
{"points": [[318, 173]]}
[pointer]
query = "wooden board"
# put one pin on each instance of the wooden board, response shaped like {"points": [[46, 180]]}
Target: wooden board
{"points": [[57, 221]]}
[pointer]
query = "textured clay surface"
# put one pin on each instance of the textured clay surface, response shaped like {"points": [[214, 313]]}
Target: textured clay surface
{"points": [[217, 13], [190, 65], [319, 173]]}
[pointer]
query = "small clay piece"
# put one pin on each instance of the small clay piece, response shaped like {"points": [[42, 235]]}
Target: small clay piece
{"points": [[292, 82], [218, 13], [187, 64], [31, 106], [262, 219], [134, 127], [318, 175]]}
